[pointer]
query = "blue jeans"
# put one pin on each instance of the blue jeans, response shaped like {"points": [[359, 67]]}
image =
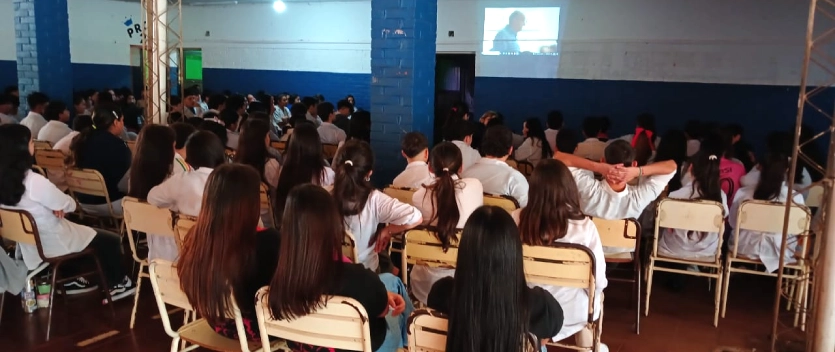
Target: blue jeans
{"points": [[397, 334]]}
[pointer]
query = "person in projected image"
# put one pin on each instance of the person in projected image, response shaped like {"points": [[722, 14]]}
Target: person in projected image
{"points": [[505, 40]]}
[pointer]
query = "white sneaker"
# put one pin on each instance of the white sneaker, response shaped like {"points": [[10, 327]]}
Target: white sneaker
{"points": [[78, 286], [122, 290]]}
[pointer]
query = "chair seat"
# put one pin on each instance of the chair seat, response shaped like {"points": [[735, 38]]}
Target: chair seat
{"points": [[625, 257], [201, 333], [707, 259]]}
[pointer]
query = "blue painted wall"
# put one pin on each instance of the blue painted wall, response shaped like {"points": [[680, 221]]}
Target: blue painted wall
{"points": [[8, 73], [96, 76]]}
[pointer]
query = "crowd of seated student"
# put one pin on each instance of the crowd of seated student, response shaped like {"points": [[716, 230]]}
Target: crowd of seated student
{"points": [[496, 176]]}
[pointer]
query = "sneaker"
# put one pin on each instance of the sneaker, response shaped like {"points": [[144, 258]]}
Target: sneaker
{"points": [[122, 290], [79, 286]]}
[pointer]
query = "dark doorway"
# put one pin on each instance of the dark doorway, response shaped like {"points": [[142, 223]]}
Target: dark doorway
{"points": [[454, 82]]}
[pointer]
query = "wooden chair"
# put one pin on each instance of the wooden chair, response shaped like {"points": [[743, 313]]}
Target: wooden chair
{"points": [[624, 233], [505, 202], [427, 331], [349, 247], [51, 160], [512, 163], [152, 220], [90, 182], [166, 283], [279, 145], [182, 225], [42, 144], [566, 265], [342, 323], [39, 170], [421, 247], [526, 168], [691, 215], [767, 217], [18, 226], [404, 195], [330, 151], [815, 198], [132, 146]]}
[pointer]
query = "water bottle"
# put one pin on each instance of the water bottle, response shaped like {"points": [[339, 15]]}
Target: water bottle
{"points": [[27, 297]]}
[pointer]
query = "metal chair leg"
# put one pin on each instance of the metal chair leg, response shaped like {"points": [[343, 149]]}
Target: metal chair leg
{"points": [[51, 299], [105, 286], [136, 295], [2, 302]]}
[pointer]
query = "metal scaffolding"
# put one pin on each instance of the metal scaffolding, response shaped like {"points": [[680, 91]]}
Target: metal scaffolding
{"points": [[816, 106], [162, 49]]}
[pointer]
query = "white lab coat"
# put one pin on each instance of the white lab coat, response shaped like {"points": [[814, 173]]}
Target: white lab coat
{"points": [[414, 176], [182, 193], [689, 244]]}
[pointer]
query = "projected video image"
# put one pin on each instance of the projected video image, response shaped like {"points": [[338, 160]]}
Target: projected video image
{"points": [[523, 30]]}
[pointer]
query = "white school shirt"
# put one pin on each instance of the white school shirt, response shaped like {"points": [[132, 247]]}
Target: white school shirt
{"points": [[315, 119], [179, 165], [591, 148], [762, 245], [551, 137], [6, 119], [469, 155], [469, 195], [530, 151], [64, 143], [752, 178], [497, 177], [232, 139], [693, 146], [575, 301], [59, 236], [688, 244], [379, 208], [35, 122], [414, 176], [599, 200], [330, 134], [181, 193]]}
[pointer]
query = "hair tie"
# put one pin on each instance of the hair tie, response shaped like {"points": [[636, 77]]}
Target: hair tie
{"points": [[712, 157], [348, 162], [116, 116], [446, 169], [94, 126]]}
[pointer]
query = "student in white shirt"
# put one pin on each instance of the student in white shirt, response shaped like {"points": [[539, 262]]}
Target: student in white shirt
{"points": [[555, 123], [415, 148], [58, 116], [328, 132], [446, 204], [363, 207], [553, 215], [191, 103], [230, 120], [612, 198], [303, 163], [153, 160], [693, 131], [460, 133], [37, 105], [496, 176], [181, 132], [7, 109], [183, 193], [534, 148], [591, 148], [29, 191], [312, 113]]}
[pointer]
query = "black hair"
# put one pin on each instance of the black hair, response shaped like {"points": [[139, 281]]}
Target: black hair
{"points": [[217, 129], [252, 148], [82, 122], [497, 142], [309, 102], [153, 160], [673, 147], [173, 101], [78, 98], [446, 161], [459, 111], [36, 99], [205, 149], [457, 130], [555, 120], [344, 103], [132, 115], [693, 129], [190, 91], [182, 131], [324, 110], [215, 101], [258, 106], [413, 143], [619, 152], [351, 187], [705, 169], [360, 127], [536, 132], [230, 119], [591, 126], [234, 103], [303, 163], [54, 110], [8, 99], [15, 162], [567, 141], [103, 118]]}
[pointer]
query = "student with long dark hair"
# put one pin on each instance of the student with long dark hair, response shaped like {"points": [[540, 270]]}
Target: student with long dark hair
{"points": [[553, 215], [673, 146], [534, 148], [731, 170], [644, 128], [225, 253], [303, 163], [253, 150], [490, 306], [360, 126], [183, 193], [445, 204], [152, 163], [310, 267], [29, 191], [363, 207]]}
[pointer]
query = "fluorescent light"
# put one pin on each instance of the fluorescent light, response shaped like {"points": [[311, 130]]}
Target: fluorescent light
{"points": [[279, 6]]}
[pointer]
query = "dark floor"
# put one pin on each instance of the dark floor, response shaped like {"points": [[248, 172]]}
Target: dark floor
{"points": [[679, 322]]}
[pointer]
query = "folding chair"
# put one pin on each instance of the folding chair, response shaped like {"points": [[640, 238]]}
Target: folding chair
{"points": [[342, 323], [815, 198], [52, 160], [512, 163], [349, 247], [152, 220], [526, 168], [90, 182], [279, 145], [624, 234], [566, 265], [329, 151], [39, 170], [19, 226], [42, 144], [427, 331], [404, 195], [767, 217], [691, 215], [505, 202], [422, 247], [182, 225]]}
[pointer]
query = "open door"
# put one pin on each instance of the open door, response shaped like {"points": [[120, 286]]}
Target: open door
{"points": [[454, 82]]}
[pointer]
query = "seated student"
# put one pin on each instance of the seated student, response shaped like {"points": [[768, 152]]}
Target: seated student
{"points": [[730, 171], [567, 141], [344, 110], [100, 148], [312, 113], [415, 148], [591, 148], [553, 215], [703, 183], [555, 124], [253, 150], [693, 131], [496, 176], [363, 207], [446, 204], [605, 126], [303, 163], [490, 306], [534, 148], [612, 198], [772, 186], [460, 133], [779, 143], [217, 129], [152, 163], [37, 106], [7, 109], [309, 257], [297, 114], [58, 116], [29, 191], [328, 132], [227, 243], [182, 131], [230, 120], [742, 150], [183, 193], [644, 125]]}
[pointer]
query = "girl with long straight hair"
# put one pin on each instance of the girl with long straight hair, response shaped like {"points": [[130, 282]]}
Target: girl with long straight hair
{"points": [[303, 163], [310, 268], [225, 253], [153, 161], [553, 215], [253, 150], [490, 306], [446, 204], [535, 147]]}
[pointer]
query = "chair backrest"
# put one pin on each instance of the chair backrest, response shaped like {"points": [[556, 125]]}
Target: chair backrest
{"points": [[692, 215], [815, 198], [17, 226], [39, 170], [564, 265], [427, 331], [182, 225], [143, 217], [265, 200], [764, 216], [505, 202], [329, 150], [618, 233], [342, 323], [404, 195], [526, 168], [279, 145], [87, 181], [512, 163], [132, 147], [349, 247], [166, 284], [422, 247], [42, 144], [50, 159]]}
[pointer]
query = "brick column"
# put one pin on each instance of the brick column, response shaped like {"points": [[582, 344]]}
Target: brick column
{"points": [[403, 34], [42, 41]]}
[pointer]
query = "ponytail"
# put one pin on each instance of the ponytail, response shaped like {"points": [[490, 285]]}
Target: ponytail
{"points": [[103, 118], [446, 161], [705, 170], [351, 188]]}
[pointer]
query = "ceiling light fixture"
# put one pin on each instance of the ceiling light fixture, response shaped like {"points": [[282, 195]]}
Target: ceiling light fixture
{"points": [[279, 6]]}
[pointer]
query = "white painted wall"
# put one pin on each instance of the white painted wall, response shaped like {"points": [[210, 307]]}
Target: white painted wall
{"points": [[98, 34], [7, 42]]}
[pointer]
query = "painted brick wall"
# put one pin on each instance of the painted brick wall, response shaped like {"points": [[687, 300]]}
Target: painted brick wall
{"points": [[403, 36]]}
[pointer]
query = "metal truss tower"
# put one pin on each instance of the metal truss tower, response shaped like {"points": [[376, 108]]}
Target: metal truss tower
{"points": [[162, 49]]}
